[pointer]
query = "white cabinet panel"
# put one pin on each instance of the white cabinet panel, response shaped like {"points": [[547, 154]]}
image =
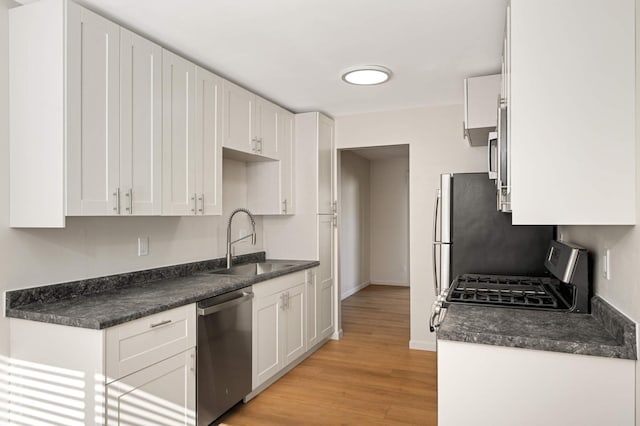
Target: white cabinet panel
{"points": [[572, 119], [325, 164], [93, 142], [163, 393], [267, 127], [239, 107], [286, 154], [476, 377], [267, 329], [312, 308], [295, 324], [140, 125], [208, 161], [326, 279], [279, 325], [178, 182]]}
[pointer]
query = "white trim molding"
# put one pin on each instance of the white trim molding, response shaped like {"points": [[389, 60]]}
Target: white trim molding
{"points": [[354, 290], [423, 345]]}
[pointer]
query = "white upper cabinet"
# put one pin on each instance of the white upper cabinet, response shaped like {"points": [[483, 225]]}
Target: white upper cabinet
{"points": [[480, 106], [239, 110], [267, 127], [208, 133], [571, 94], [286, 153], [192, 152], [326, 132], [96, 148], [140, 125], [250, 123], [178, 136], [270, 188], [93, 171]]}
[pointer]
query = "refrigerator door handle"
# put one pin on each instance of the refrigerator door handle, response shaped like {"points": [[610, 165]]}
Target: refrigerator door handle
{"points": [[436, 243]]}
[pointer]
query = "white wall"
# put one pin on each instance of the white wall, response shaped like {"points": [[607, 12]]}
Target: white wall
{"points": [[389, 249], [623, 289], [354, 223], [435, 146]]}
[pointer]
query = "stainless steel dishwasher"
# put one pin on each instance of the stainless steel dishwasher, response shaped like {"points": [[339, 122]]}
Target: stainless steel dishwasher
{"points": [[224, 354]]}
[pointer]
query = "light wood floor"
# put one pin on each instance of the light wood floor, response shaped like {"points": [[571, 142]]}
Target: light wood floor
{"points": [[370, 377]]}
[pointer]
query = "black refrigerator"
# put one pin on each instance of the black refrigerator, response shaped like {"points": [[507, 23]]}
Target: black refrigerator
{"points": [[472, 237]]}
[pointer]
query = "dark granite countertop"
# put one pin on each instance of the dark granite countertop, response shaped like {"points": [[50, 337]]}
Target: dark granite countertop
{"points": [[99, 303], [605, 332]]}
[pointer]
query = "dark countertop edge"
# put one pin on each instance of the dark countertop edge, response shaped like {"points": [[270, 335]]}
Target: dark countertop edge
{"points": [[22, 312], [619, 326], [560, 346], [90, 286]]}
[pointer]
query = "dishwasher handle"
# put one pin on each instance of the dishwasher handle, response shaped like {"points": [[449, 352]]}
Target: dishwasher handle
{"points": [[244, 297]]}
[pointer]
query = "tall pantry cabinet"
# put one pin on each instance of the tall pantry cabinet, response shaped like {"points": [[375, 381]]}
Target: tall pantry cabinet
{"points": [[314, 223]]}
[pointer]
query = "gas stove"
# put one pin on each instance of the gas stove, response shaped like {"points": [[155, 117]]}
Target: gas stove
{"points": [[507, 290], [566, 289]]}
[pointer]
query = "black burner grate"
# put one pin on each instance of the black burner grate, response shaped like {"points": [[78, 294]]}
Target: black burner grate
{"points": [[529, 292]]}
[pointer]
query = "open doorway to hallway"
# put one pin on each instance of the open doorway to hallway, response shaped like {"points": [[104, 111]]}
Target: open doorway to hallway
{"points": [[373, 240]]}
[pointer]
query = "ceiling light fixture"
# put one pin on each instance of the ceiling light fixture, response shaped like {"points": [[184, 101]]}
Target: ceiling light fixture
{"points": [[366, 75]]}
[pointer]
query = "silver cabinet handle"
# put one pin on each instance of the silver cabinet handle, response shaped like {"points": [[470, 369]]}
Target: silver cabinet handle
{"points": [[193, 198], [129, 196], [260, 146], [286, 301], [201, 199], [254, 144], [116, 194], [282, 305], [158, 324], [284, 206]]}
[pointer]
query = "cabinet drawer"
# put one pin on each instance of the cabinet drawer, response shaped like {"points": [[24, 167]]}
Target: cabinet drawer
{"points": [[140, 343]]}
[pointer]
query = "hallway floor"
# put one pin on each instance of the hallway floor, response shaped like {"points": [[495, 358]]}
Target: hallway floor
{"points": [[370, 377]]}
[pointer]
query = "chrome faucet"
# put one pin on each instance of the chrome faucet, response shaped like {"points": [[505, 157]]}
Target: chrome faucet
{"points": [[229, 242]]}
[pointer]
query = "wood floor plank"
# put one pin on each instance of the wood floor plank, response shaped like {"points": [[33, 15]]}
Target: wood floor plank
{"points": [[370, 377]]}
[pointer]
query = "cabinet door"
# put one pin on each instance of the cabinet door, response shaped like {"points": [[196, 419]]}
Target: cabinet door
{"points": [[325, 164], [267, 129], [163, 393], [312, 308], [325, 280], [93, 108], [178, 139], [268, 313], [208, 163], [140, 125], [573, 112], [295, 324], [286, 156], [239, 111]]}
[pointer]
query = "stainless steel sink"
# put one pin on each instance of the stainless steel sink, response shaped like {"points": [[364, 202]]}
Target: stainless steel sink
{"points": [[251, 269]]}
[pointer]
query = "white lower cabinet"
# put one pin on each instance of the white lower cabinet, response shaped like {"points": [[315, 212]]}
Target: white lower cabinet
{"points": [[485, 385], [320, 308], [138, 373], [163, 393], [279, 320]]}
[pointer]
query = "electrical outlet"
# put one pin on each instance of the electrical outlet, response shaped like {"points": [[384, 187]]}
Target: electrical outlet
{"points": [[606, 264], [143, 246]]}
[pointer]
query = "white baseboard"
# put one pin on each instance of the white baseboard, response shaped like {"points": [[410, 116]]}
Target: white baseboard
{"points": [[337, 335], [383, 282], [354, 290], [422, 345]]}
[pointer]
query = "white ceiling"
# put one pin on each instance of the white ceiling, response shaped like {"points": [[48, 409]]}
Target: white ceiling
{"points": [[293, 51]]}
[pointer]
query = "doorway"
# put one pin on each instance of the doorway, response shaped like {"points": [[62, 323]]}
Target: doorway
{"points": [[373, 237]]}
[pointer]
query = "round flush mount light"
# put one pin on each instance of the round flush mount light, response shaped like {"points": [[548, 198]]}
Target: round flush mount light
{"points": [[367, 75]]}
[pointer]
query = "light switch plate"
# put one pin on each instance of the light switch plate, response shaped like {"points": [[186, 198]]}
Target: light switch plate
{"points": [[143, 246]]}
